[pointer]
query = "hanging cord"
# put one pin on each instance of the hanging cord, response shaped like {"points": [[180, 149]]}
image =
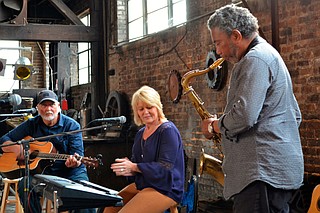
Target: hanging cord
{"points": [[43, 54]]}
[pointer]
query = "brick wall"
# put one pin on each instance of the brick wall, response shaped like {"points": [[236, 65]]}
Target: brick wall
{"points": [[77, 94], [37, 79], [299, 36], [150, 61]]}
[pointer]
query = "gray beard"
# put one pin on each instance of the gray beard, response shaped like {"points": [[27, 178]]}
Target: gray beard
{"points": [[48, 117]]}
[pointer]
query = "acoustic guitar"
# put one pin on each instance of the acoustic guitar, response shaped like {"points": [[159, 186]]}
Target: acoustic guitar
{"points": [[39, 151], [315, 200]]}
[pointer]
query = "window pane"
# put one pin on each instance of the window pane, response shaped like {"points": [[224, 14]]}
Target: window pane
{"points": [[83, 46], [158, 20], [179, 13], [89, 59], [85, 68], [86, 20], [11, 56], [136, 29], [83, 76], [135, 9], [153, 5], [89, 67], [160, 16], [83, 60]]}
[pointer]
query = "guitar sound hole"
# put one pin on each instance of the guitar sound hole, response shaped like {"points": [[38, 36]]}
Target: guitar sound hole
{"points": [[33, 154], [318, 204]]}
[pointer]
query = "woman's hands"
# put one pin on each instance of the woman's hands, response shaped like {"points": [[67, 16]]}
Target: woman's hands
{"points": [[124, 167]]}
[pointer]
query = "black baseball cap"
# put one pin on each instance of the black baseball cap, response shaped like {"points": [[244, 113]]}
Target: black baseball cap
{"points": [[47, 95]]}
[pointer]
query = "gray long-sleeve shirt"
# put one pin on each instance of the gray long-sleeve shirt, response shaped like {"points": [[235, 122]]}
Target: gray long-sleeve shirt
{"points": [[260, 127]]}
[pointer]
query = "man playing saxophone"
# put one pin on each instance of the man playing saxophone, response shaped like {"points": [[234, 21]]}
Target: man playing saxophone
{"points": [[263, 159]]}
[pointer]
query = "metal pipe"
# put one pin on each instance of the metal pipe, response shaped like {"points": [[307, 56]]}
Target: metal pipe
{"points": [[16, 48], [275, 24]]}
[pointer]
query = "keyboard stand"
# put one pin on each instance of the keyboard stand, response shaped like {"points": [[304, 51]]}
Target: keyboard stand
{"points": [[55, 202]]}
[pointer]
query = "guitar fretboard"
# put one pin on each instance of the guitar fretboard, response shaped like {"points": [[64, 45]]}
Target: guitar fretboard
{"points": [[55, 156]]}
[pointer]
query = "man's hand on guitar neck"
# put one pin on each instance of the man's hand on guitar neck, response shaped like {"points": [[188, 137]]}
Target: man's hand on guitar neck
{"points": [[73, 161]]}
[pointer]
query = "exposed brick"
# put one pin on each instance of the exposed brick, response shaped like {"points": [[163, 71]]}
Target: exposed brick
{"points": [[149, 61]]}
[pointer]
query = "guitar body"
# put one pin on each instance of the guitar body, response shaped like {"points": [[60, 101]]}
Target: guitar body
{"points": [[10, 167], [315, 200]]}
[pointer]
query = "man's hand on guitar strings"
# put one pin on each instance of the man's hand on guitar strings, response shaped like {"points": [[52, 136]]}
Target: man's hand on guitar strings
{"points": [[17, 148]]}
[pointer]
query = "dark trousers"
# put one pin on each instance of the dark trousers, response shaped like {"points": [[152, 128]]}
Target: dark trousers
{"points": [[260, 197]]}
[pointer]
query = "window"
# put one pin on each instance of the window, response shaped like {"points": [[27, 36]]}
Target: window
{"points": [[84, 57], [151, 16], [7, 81]]}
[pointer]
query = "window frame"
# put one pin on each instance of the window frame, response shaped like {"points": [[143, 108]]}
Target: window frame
{"points": [[86, 53], [170, 4]]}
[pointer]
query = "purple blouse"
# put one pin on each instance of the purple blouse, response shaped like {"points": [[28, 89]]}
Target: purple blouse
{"points": [[160, 159]]}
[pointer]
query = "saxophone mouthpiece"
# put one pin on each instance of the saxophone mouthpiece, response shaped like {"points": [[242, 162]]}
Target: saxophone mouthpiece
{"points": [[217, 64]]}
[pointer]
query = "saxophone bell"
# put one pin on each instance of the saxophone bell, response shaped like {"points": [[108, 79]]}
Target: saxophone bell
{"points": [[211, 166]]}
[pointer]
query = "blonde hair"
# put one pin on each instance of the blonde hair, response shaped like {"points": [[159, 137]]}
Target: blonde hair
{"points": [[149, 96]]}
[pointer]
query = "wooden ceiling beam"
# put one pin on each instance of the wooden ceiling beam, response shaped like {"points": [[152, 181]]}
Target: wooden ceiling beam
{"points": [[66, 11], [46, 32]]}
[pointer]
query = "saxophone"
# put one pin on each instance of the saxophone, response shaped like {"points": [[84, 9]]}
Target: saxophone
{"points": [[207, 163]]}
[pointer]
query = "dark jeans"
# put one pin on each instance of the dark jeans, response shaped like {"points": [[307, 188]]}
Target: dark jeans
{"points": [[34, 199], [260, 197]]}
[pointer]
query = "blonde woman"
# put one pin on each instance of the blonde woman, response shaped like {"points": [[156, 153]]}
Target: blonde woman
{"points": [[156, 168]]}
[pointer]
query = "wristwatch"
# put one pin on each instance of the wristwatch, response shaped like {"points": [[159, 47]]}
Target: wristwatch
{"points": [[210, 127]]}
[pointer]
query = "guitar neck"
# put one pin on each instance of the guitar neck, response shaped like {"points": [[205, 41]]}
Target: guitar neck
{"points": [[91, 162], [54, 156]]}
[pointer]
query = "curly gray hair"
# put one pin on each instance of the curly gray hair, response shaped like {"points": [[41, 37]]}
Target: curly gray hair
{"points": [[231, 17]]}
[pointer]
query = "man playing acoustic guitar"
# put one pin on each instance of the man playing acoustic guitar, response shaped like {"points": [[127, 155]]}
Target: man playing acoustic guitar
{"points": [[50, 121]]}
